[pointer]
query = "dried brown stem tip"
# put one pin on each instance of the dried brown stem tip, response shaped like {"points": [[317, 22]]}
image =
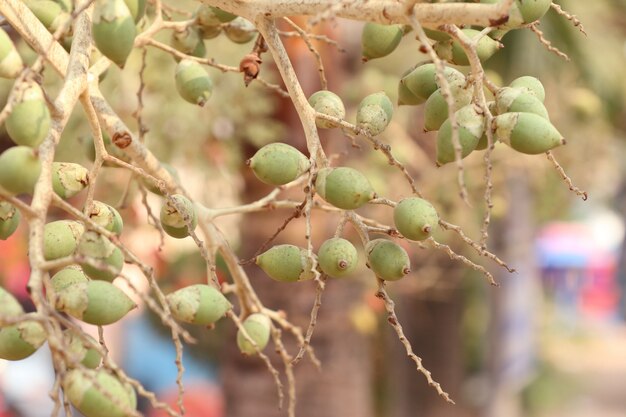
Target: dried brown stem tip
{"points": [[250, 65]]}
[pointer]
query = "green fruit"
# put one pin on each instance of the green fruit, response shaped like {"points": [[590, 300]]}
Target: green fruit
{"points": [[344, 187], [210, 32], [198, 304], [49, 13], [61, 238], [532, 84], [436, 35], [21, 340], [19, 170], [68, 178], [9, 219], [422, 81], [415, 218], [98, 248], [189, 42], [286, 263], [92, 393], [153, 187], [452, 51], [278, 163], [436, 107], [379, 40], [374, 113], [258, 327], [66, 277], [106, 216], [521, 100], [328, 103], [10, 61], [9, 306], [337, 257], [137, 8], [86, 355], [527, 132], [94, 302], [532, 10], [240, 30], [114, 30], [176, 215], [192, 82], [406, 97], [29, 121], [211, 17], [388, 260], [471, 128]]}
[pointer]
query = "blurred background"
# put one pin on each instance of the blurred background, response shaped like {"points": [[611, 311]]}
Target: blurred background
{"points": [[549, 342]]}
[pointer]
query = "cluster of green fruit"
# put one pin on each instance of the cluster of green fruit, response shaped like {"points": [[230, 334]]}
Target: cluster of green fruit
{"points": [[348, 189]]}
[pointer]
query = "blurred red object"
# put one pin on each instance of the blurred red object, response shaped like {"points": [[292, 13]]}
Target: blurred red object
{"points": [[201, 399]]}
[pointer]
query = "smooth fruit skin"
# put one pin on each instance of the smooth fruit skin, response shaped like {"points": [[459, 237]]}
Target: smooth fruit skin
{"points": [[189, 42], [137, 8], [106, 216], [511, 99], [61, 238], [9, 219], [240, 30], [337, 257], [533, 9], [9, 306], [415, 218], [422, 81], [94, 302], [173, 221], [67, 277], [388, 260], [99, 248], [379, 40], [192, 82], [49, 13], [532, 84], [527, 133], [436, 107], [90, 399], [471, 128], [286, 263], [258, 327], [69, 179], [278, 163], [374, 113], [21, 340], [113, 30], [344, 187], [19, 170], [328, 103], [198, 304], [10, 61], [29, 121]]}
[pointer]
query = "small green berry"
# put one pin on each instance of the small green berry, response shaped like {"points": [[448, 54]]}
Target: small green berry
{"points": [[522, 100], [471, 128], [86, 355], [388, 260], [67, 277], [278, 163], [240, 30], [436, 107], [10, 61], [29, 121], [198, 304], [452, 51], [113, 30], [98, 248], [193, 82], [106, 216], [286, 263], [258, 327], [415, 218], [98, 393], [422, 80], [21, 340], [532, 84], [337, 257], [175, 216], [19, 170], [328, 103], [189, 41], [379, 40], [374, 113], [9, 219], [68, 178], [9, 306], [344, 187], [527, 133], [61, 238]]}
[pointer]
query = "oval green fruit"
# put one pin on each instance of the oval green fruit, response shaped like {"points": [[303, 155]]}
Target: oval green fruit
{"points": [[176, 215], [29, 121], [374, 113], [510, 99], [113, 30], [344, 187], [388, 260], [532, 84], [50, 13], [379, 40], [415, 218], [21, 340], [189, 42], [240, 30], [9, 219], [436, 107], [86, 355], [527, 133], [328, 103], [198, 304], [99, 248], [9, 306], [67, 277], [68, 178], [286, 263], [258, 327], [452, 51], [106, 216], [337, 257], [422, 80], [11, 63], [278, 163], [137, 8], [19, 170], [94, 302], [61, 238], [471, 127], [92, 391], [532, 10], [193, 82]]}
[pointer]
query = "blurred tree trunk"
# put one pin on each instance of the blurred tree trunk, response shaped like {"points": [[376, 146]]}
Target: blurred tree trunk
{"points": [[343, 386]]}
